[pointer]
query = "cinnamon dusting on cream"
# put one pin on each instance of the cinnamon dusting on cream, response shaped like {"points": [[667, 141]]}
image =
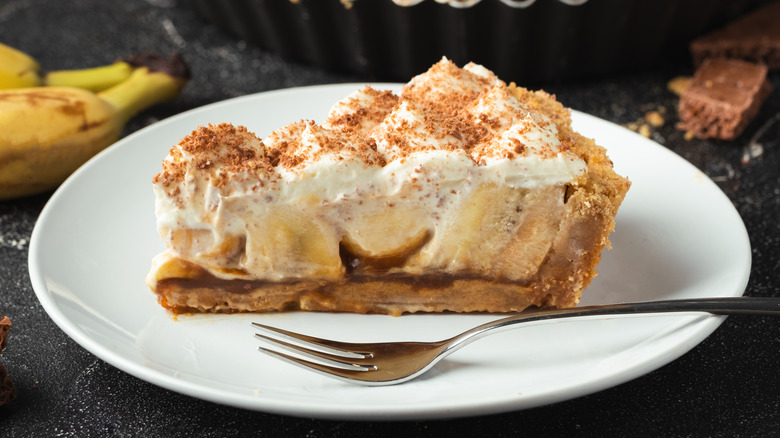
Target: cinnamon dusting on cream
{"points": [[467, 111]]}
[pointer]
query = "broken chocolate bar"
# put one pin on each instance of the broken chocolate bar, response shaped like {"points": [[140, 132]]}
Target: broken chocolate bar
{"points": [[724, 95], [754, 37]]}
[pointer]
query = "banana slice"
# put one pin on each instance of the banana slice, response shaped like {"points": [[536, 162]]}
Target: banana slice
{"points": [[393, 233], [287, 240], [169, 266], [529, 246], [485, 218], [187, 241]]}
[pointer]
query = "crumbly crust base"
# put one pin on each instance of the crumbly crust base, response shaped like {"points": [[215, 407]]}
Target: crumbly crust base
{"points": [[392, 294], [591, 203]]}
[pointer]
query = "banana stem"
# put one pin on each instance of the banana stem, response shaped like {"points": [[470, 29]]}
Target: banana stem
{"points": [[92, 79], [142, 90]]}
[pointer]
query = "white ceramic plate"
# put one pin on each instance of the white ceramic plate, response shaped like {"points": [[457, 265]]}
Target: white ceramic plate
{"points": [[677, 236]]}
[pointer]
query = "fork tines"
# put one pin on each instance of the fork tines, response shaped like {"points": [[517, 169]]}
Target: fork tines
{"points": [[310, 352]]}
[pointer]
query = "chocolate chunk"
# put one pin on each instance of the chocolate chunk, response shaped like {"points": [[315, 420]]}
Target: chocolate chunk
{"points": [[5, 327], [754, 37], [724, 95], [7, 389]]}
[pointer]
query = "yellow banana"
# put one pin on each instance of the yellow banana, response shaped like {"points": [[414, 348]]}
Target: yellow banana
{"points": [[92, 79], [19, 70], [46, 133]]}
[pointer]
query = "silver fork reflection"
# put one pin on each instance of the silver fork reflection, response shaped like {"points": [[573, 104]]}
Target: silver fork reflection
{"points": [[389, 363]]}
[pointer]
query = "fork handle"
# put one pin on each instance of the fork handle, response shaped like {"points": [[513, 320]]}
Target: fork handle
{"points": [[716, 306]]}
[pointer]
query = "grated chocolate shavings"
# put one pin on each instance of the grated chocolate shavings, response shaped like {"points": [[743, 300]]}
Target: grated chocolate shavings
{"points": [[451, 109]]}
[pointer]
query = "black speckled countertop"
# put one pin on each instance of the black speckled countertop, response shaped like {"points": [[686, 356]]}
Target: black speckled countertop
{"points": [[729, 385]]}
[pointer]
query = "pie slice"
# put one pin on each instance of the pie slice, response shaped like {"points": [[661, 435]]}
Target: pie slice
{"points": [[460, 193]]}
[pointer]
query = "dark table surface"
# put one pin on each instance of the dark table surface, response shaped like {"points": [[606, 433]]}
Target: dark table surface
{"points": [[729, 385]]}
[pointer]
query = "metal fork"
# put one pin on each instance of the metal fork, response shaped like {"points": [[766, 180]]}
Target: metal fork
{"points": [[390, 363]]}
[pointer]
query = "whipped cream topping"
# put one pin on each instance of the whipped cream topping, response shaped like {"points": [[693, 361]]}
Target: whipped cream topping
{"points": [[448, 133]]}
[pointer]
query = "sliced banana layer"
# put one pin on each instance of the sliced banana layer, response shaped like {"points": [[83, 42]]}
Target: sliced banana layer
{"points": [[292, 244], [453, 175]]}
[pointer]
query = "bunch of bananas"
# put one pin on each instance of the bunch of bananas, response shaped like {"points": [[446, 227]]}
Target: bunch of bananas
{"points": [[51, 124]]}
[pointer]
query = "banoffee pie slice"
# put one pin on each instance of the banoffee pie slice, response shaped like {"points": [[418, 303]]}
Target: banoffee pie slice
{"points": [[460, 193]]}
